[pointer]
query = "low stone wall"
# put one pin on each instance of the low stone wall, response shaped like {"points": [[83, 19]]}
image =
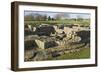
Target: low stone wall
{"points": [[29, 44]]}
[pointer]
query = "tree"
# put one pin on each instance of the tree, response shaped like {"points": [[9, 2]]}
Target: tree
{"points": [[79, 17], [28, 18], [49, 18], [62, 16], [57, 16], [45, 17]]}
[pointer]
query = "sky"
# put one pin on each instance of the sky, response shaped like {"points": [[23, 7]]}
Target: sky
{"points": [[64, 14]]}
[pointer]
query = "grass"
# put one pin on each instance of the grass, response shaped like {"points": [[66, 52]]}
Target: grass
{"points": [[82, 54], [82, 22]]}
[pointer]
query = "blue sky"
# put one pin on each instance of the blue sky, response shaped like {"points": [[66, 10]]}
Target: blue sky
{"points": [[64, 14]]}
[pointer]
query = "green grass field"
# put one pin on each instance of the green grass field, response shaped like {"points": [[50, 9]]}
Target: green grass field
{"points": [[83, 54], [65, 22]]}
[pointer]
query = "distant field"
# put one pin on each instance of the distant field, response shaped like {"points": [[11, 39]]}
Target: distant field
{"points": [[65, 22]]}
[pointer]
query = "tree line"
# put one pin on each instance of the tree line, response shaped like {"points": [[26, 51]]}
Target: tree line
{"points": [[40, 17]]}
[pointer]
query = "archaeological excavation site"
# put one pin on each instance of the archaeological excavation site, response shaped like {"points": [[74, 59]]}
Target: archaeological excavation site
{"points": [[56, 38]]}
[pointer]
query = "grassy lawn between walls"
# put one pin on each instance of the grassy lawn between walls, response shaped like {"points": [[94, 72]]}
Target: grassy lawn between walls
{"points": [[82, 54]]}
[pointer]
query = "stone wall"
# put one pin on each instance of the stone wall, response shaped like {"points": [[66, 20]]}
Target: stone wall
{"points": [[40, 44]]}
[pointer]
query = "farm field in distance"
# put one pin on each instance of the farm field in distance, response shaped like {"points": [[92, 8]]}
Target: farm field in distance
{"points": [[64, 22]]}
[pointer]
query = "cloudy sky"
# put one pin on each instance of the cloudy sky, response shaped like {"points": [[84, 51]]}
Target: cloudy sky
{"points": [[63, 14]]}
